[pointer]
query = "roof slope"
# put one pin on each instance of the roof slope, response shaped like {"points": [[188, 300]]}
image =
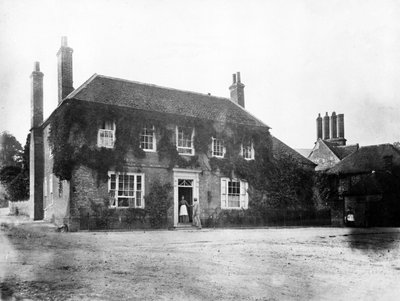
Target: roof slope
{"points": [[280, 147], [341, 151], [367, 159], [114, 91]]}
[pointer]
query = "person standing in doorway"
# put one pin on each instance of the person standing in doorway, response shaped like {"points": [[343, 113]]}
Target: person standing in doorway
{"points": [[183, 212], [196, 214]]}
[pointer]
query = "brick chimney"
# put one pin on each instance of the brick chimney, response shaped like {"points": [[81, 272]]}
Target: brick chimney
{"points": [[36, 96], [340, 125], [319, 126], [326, 126], [237, 90], [36, 149], [333, 126], [65, 83]]}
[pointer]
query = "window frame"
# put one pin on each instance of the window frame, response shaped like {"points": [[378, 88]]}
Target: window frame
{"points": [[214, 140], [154, 142], [101, 141], [242, 150], [132, 200], [192, 151], [243, 194]]}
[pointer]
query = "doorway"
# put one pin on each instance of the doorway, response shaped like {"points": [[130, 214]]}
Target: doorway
{"points": [[186, 183], [185, 190]]}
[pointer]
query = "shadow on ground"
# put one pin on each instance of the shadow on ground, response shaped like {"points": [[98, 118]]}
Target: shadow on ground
{"points": [[32, 269], [373, 239]]}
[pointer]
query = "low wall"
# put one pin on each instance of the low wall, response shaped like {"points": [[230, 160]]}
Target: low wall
{"points": [[272, 218], [21, 208]]}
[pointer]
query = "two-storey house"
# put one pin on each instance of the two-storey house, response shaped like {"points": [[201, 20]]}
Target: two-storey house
{"points": [[111, 141]]}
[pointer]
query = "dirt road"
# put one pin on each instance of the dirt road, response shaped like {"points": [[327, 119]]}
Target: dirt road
{"points": [[37, 263]]}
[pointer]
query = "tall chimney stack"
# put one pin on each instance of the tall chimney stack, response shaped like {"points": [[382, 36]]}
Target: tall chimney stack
{"points": [[237, 90], [333, 126], [340, 125], [36, 148], [36, 96], [65, 83], [326, 127], [319, 126]]}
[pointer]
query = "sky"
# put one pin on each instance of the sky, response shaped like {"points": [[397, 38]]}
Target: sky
{"points": [[297, 58]]}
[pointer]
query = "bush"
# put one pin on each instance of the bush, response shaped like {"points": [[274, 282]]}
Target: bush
{"points": [[158, 201]]}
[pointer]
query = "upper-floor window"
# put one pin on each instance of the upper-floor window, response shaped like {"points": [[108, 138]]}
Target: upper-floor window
{"points": [[50, 152], [233, 194], [184, 140], [217, 148], [148, 139], [247, 150], [106, 135], [126, 190]]}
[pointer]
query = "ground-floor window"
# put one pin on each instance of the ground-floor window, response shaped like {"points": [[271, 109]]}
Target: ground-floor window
{"points": [[234, 194], [126, 190]]}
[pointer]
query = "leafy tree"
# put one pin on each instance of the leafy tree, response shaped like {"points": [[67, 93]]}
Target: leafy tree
{"points": [[288, 186], [10, 150], [14, 174]]}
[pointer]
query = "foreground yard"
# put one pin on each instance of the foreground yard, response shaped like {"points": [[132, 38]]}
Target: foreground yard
{"points": [[37, 263]]}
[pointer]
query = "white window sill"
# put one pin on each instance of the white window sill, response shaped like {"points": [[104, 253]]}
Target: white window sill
{"points": [[234, 208], [248, 159]]}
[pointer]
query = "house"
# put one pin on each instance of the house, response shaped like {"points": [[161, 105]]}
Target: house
{"points": [[330, 147], [368, 183], [111, 145]]}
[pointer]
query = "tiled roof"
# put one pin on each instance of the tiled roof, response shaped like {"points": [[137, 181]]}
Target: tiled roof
{"points": [[341, 151], [367, 159], [280, 147], [114, 91]]}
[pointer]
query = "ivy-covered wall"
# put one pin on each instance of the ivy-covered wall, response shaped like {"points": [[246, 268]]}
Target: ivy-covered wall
{"points": [[73, 138], [275, 181]]}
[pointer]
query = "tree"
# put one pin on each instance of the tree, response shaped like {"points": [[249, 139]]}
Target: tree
{"points": [[10, 150], [289, 186], [14, 171]]}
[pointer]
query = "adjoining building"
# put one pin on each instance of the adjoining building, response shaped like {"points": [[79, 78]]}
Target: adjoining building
{"points": [[330, 147], [368, 184], [362, 180], [111, 141]]}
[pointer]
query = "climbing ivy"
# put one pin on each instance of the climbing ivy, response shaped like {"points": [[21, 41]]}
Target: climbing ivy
{"points": [[73, 138], [275, 181]]}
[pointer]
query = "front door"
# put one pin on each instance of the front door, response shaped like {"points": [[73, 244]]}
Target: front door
{"points": [[186, 183], [185, 190]]}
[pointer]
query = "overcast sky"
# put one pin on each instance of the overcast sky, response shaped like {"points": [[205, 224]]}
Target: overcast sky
{"points": [[297, 58]]}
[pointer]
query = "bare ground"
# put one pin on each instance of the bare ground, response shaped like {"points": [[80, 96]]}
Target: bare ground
{"points": [[37, 263]]}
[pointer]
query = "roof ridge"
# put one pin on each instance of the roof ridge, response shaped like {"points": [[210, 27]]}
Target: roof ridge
{"points": [[376, 145], [162, 87], [85, 84]]}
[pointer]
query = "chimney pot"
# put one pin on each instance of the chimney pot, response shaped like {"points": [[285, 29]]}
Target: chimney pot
{"points": [[64, 41], [238, 76], [234, 78], [326, 130], [319, 126], [333, 126], [36, 66]]}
